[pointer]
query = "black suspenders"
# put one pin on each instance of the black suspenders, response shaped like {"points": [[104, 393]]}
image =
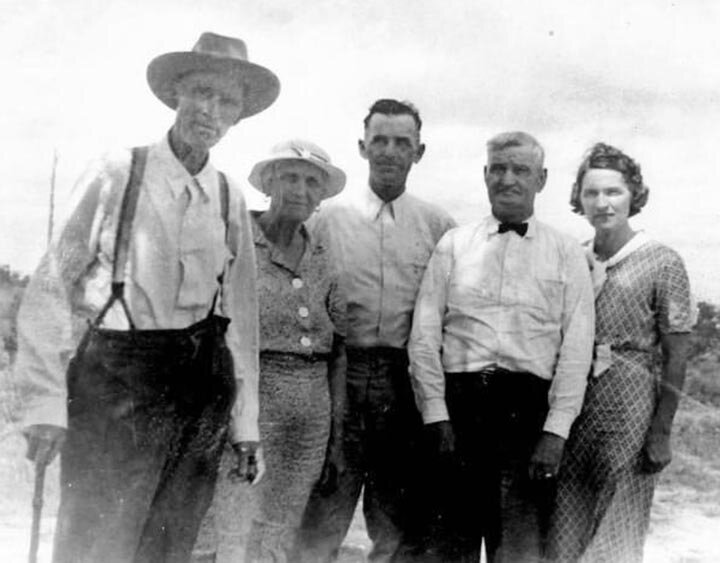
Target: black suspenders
{"points": [[122, 238]]}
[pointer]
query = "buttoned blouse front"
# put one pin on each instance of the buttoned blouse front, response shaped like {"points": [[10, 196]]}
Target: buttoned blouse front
{"points": [[300, 306]]}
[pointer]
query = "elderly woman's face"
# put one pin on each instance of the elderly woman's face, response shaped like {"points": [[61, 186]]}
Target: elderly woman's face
{"points": [[296, 188], [605, 198]]}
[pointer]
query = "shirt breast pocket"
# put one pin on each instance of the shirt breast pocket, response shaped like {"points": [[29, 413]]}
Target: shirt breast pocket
{"points": [[548, 297]]}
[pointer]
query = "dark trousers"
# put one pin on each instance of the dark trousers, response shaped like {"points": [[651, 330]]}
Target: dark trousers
{"points": [[485, 493], [381, 430], [147, 419]]}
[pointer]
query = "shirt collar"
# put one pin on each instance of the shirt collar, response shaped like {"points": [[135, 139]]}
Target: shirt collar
{"points": [[492, 223], [177, 177], [374, 206], [276, 256]]}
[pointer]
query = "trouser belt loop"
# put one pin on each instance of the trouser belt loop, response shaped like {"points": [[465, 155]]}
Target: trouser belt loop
{"points": [[488, 374]]}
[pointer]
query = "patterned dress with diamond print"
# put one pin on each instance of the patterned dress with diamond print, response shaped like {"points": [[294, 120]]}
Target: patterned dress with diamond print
{"points": [[603, 502]]}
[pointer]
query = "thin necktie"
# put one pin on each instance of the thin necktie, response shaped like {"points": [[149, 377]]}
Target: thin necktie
{"points": [[519, 228]]}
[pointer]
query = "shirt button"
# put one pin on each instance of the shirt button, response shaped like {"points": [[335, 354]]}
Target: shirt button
{"points": [[305, 341], [303, 312], [297, 283]]}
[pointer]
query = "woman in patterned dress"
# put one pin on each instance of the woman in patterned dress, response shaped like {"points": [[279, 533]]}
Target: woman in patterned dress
{"points": [[302, 362], [644, 315]]}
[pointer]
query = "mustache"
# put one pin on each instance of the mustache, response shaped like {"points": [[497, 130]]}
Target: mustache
{"points": [[506, 189]]}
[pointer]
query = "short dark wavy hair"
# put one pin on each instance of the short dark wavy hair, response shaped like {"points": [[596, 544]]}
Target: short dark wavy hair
{"points": [[608, 157], [388, 106]]}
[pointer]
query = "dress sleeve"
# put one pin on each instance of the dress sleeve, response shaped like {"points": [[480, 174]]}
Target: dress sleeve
{"points": [[676, 310]]}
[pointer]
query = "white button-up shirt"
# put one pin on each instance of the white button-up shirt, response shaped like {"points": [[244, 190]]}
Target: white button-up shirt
{"points": [[521, 303], [177, 251], [383, 249]]}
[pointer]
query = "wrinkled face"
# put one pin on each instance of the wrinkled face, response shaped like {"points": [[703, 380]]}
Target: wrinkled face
{"points": [[296, 189], [208, 105], [605, 199], [513, 176], [391, 146]]}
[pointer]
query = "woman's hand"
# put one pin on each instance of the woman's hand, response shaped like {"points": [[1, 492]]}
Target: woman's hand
{"points": [[334, 466], [656, 453]]}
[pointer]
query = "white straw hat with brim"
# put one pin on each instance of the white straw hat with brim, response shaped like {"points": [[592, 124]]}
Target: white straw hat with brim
{"points": [[215, 53], [304, 151]]}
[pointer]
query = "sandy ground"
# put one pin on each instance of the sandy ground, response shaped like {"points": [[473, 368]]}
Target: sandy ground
{"points": [[680, 534], [682, 531], [685, 525]]}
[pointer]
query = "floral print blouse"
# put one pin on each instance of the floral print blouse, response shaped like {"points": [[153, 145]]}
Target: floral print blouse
{"points": [[300, 307]]}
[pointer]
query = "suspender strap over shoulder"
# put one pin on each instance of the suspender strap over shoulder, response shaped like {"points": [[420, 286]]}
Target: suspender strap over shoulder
{"points": [[224, 202], [122, 239], [225, 213]]}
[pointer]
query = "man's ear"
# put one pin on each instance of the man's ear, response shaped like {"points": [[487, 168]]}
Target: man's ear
{"points": [[362, 149], [419, 153], [543, 179]]}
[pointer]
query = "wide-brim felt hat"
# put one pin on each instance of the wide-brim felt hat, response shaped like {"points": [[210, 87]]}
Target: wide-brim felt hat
{"points": [[305, 151], [215, 53]]}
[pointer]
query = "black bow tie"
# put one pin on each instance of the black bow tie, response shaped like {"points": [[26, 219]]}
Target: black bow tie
{"points": [[519, 228]]}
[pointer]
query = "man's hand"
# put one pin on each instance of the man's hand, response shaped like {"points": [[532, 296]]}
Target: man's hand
{"points": [[44, 442], [250, 465], [441, 438], [656, 452], [333, 468], [545, 461]]}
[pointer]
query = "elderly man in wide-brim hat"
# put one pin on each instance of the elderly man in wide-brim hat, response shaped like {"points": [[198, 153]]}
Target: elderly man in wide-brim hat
{"points": [[147, 302]]}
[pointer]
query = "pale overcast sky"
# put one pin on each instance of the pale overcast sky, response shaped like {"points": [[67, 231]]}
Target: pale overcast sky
{"points": [[643, 75]]}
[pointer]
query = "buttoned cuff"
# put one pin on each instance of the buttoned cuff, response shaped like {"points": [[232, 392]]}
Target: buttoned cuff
{"points": [[48, 410], [434, 410], [559, 422]]}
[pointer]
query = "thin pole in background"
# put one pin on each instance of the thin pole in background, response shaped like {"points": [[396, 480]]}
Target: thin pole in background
{"points": [[37, 504], [51, 215]]}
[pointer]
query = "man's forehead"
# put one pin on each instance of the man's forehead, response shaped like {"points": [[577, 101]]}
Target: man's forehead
{"points": [[400, 125], [524, 154]]}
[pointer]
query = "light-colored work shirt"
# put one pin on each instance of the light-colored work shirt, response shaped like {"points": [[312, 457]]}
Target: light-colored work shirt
{"points": [[383, 249], [301, 305], [177, 250], [520, 303]]}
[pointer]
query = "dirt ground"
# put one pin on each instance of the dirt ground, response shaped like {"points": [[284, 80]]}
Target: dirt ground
{"points": [[682, 530], [685, 526]]}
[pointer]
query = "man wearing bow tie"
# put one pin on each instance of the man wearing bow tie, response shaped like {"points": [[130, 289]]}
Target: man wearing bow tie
{"points": [[500, 349]]}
